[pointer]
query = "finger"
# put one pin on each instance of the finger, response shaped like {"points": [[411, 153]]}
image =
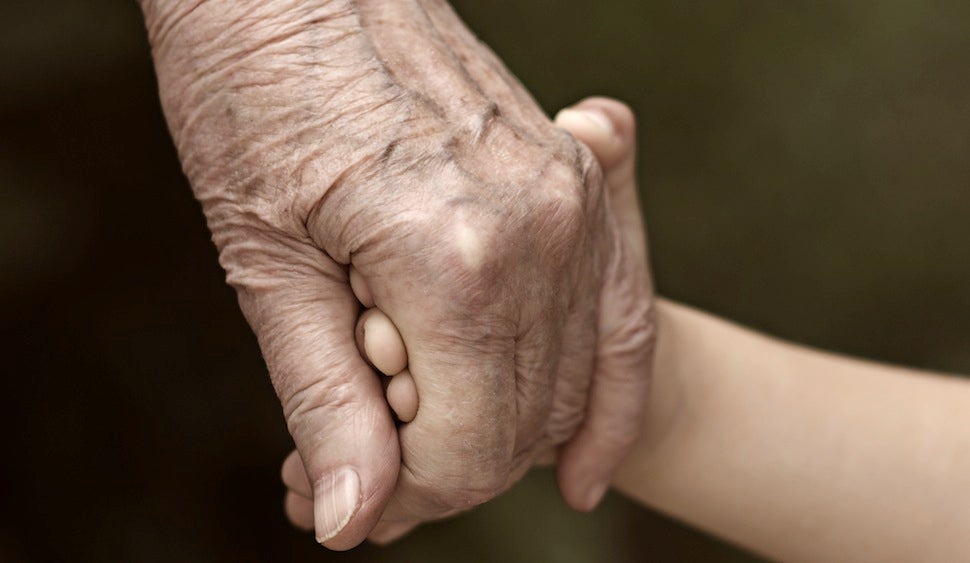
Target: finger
{"points": [[608, 128], [473, 455], [459, 317], [457, 450], [380, 343], [546, 378], [576, 366], [299, 510], [617, 394], [333, 403], [294, 475], [402, 396], [361, 289], [618, 391]]}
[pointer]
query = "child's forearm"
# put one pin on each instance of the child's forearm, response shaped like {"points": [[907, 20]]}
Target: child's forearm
{"points": [[802, 455]]}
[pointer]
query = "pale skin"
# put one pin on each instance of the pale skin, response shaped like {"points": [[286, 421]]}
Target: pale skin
{"points": [[794, 453]]}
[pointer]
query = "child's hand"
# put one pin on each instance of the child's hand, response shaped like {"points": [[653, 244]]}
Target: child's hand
{"points": [[607, 127]]}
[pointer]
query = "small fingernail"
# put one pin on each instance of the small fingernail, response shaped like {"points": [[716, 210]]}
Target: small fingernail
{"points": [[595, 495], [591, 120], [335, 500], [600, 119], [597, 119]]}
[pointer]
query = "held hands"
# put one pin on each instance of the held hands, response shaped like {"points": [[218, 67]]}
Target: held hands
{"points": [[322, 135], [607, 128]]}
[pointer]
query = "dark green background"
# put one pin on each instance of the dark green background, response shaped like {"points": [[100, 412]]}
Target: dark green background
{"points": [[805, 169]]}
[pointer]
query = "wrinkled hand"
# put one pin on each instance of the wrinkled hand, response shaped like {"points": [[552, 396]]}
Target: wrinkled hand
{"points": [[607, 128], [323, 134]]}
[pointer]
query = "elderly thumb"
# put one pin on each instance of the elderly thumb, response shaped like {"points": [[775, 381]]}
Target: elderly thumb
{"points": [[333, 402]]}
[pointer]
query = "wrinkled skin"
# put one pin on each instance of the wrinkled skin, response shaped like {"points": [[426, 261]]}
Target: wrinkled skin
{"points": [[381, 134]]}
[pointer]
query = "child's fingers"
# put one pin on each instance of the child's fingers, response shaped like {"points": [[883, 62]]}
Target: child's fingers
{"points": [[299, 510], [586, 122], [360, 288], [380, 343], [294, 475], [402, 395]]}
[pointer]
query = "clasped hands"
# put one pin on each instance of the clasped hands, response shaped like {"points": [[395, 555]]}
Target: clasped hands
{"points": [[587, 452], [382, 139]]}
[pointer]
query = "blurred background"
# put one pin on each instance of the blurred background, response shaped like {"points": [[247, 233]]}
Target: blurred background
{"points": [[805, 168]]}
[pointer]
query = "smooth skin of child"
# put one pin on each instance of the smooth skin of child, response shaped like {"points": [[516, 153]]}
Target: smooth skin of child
{"points": [[794, 453]]}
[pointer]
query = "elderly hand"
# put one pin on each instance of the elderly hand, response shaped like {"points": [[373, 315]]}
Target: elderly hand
{"points": [[324, 134], [607, 128]]}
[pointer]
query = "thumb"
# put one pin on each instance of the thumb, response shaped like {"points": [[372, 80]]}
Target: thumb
{"points": [[619, 388], [608, 128], [333, 402]]}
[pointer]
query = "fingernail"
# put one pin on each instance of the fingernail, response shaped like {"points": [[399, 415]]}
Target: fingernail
{"points": [[595, 495], [593, 117], [600, 120], [589, 119], [335, 500]]}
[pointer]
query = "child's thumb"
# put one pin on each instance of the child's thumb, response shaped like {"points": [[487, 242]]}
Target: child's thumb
{"points": [[608, 128]]}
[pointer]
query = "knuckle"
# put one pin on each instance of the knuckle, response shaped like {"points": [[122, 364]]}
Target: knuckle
{"points": [[468, 249], [563, 210], [455, 257], [558, 226]]}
